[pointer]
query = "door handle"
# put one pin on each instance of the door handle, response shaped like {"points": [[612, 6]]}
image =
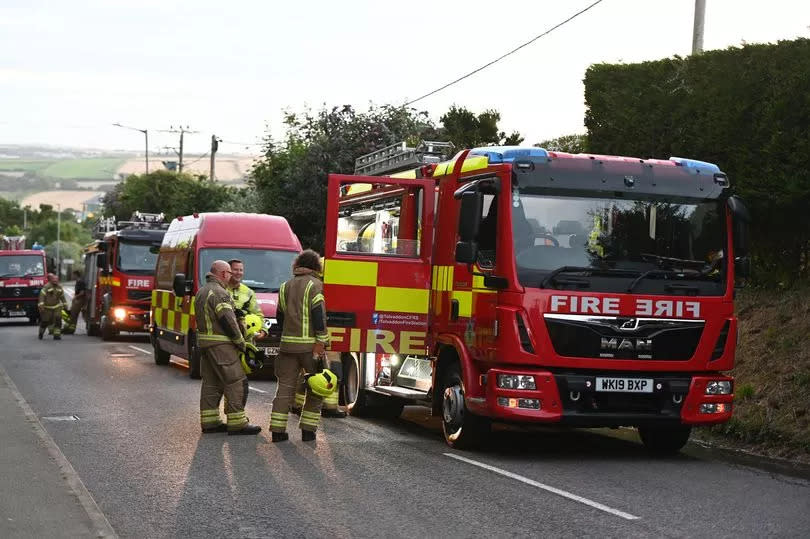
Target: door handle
{"points": [[454, 309]]}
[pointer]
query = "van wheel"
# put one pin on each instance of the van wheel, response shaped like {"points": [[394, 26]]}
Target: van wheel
{"points": [[194, 357], [161, 357], [462, 429], [664, 441]]}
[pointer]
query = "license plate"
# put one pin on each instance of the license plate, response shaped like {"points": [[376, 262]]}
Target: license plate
{"points": [[271, 350], [16, 313], [146, 327], [624, 385]]}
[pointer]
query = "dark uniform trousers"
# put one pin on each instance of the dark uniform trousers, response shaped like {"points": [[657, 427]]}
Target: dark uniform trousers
{"points": [[77, 306], [288, 367], [222, 374]]}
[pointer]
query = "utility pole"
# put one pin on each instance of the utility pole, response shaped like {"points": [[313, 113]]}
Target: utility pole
{"points": [[146, 137], [697, 31], [214, 147], [182, 130]]}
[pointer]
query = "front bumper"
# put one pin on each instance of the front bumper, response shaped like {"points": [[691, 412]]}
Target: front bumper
{"points": [[570, 398], [132, 319], [18, 305]]}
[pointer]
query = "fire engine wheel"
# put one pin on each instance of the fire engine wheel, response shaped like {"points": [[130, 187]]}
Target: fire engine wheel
{"points": [[664, 441], [107, 332], [462, 429], [362, 403]]}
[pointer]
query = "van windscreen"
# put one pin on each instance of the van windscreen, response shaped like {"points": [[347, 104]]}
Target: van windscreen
{"points": [[265, 269]]}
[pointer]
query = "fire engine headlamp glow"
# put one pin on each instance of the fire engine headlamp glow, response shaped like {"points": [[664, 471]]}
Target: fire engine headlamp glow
{"points": [[516, 381], [718, 387], [119, 313]]}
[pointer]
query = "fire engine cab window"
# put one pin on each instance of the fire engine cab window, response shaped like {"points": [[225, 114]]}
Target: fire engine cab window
{"points": [[21, 266], [136, 257], [380, 220]]}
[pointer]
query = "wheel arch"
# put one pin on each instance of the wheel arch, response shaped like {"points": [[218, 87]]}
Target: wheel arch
{"points": [[450, 349]]}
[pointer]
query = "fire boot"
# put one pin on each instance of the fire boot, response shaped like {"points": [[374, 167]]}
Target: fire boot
{"points": [[247, 429]]}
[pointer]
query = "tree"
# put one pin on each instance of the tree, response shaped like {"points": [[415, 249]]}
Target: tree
{"points": [[165, 192], [465, 129], [577, 143]]}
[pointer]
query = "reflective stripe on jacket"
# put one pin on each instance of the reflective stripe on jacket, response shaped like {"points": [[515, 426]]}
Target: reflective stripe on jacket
{"points": [[302, 312], [52, 297], [216, 320], [245, 299]]}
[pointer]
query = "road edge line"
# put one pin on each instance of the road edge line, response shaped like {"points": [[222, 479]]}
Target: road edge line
{"points": [[102, 526], [565, 494], [147, 352]]}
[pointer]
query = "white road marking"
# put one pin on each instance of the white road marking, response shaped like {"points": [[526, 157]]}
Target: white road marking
{"points": [[257, 390], [140, 350], [563, 493]]}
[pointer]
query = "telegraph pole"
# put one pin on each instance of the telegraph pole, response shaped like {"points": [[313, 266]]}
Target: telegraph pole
{"points": [[146, 137], [182, 130], [697, 30], [214, 148]]}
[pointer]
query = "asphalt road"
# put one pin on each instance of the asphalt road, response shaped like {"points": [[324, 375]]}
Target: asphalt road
{"points": [[137, 447]]}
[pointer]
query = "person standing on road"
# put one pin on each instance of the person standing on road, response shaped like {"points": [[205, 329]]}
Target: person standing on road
{"points": [[51, 303], [302, 317], [77, 304], [220, 341]]}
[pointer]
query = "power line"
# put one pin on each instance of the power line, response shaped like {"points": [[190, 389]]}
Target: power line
{"points": [[513, 51], [203, 156]]}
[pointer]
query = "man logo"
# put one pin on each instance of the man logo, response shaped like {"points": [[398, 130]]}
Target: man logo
{"points": [[620, 345], [630, 324]]}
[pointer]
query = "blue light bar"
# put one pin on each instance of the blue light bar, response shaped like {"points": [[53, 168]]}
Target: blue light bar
{"points": [[696, 166], [507, 154]]}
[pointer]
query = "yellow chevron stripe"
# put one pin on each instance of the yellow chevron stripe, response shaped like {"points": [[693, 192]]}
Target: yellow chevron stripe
{"points": [[351, 272]]}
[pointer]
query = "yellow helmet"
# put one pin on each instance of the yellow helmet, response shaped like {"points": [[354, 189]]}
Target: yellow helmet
{"points": [[323, 383], [253, 324], [252, 358]]}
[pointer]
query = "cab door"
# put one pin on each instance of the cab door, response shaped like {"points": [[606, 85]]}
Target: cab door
{"points": [[377, 275]]}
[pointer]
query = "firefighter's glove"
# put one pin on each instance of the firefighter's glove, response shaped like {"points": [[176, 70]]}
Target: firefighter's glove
{"points": [[240, 313]]}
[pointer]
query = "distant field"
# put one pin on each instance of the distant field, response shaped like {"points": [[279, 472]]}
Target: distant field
{"points": [[229, 168], [91, 169], [24, 166], [68, 199]]}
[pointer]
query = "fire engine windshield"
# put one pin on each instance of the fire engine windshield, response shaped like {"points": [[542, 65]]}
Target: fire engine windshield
{"points": [[620, 245], [265, 269], [136, 258], [21, 266]]}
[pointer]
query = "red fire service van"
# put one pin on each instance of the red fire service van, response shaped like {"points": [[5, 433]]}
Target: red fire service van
{"points": [[528, 286], [265, 243]]}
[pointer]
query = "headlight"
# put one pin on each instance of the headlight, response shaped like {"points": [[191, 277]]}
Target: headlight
{"points": [[718, 387], [516, 381], [119, 313]]}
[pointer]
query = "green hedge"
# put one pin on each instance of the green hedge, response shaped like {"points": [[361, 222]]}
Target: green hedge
{"points": [[746, 109]]}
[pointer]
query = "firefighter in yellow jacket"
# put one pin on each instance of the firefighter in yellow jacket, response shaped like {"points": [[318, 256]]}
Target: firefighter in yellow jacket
{"points": [[302, 317], [220, 340], [51, 304]]}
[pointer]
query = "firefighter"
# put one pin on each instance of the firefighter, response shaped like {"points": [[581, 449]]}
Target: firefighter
{"points": [[220, 341], [244, 299], [51, 304], [302, 317], [77, 304], [330, 403]]}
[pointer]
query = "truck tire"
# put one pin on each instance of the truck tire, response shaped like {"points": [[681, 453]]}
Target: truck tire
{"points": [[664, 441], [362, 403], [93, 330], [462, 429], [194, 357], [107, 332], [161, 357]]}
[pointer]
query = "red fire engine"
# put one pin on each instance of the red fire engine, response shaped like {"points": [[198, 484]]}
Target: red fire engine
{"points": [[529, 286], [120, 273], [22, 275]]}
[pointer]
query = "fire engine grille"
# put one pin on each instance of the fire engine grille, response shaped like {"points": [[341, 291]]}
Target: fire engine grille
{"points": [[606, 337], [19, 292], [139, 295]]}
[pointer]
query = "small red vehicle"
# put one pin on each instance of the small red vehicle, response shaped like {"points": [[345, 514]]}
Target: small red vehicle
{"points": [[22, 276]]}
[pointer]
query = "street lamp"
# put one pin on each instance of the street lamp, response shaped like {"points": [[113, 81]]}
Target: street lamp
{"points": [[58, 238], [145, 134]]}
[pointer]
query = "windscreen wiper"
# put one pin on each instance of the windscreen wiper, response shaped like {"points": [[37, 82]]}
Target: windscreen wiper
{"points": [[669, 262], [12, 274], [581, 269], [664, 272]]}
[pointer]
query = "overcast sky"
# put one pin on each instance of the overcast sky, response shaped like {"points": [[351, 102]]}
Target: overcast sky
{"points": [[70, 68]]}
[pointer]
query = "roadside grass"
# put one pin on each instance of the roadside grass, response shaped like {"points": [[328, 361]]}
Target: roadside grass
{"points": [[772, 373], [102, 168]]}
